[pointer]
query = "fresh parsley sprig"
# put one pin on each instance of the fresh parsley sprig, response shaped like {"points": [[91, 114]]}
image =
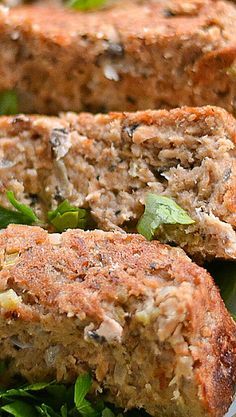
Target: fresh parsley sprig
{"points": [[22, 208], [53, 400], [82, 387], [22, 215], [50, 400], [67, 216], [160, 210], [85, 4]]}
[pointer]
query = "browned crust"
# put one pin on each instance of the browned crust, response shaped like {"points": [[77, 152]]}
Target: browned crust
{"points": [[165, 55], [87, 122], [215, 62], [217, 357], [61, 25], [76, 276]]}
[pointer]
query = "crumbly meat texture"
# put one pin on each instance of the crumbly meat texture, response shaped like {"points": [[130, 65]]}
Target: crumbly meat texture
{"points": [[147, 322], [131, 56], [109, 163]]}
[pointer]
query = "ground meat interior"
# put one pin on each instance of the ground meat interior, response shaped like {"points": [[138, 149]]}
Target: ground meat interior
{"points": [[108, 164]]}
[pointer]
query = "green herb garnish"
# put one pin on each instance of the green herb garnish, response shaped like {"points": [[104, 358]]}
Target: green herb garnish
{"points": [[82, 387], [160, 210], [85, 4], [19, 409], [22, 208], [68, 217], [22, 215], [52, 400], [64, 217], [8, 102]]}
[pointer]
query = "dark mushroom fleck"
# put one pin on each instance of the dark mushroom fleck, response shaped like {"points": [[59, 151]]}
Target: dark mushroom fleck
{"points": [[168, 13], [131, 99], [227, 174], [58, 195], [111, 168], [95, 337], [115, 49], [130, 129], [34, 199]]}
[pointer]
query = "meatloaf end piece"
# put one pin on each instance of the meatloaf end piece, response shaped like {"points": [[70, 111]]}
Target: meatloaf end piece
{"points": [[131, 56], [147, 322], [109, 163]]}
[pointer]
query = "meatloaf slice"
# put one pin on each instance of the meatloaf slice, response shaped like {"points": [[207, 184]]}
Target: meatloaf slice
{"points": [[109, 163], [133, 55], [148, 323]]}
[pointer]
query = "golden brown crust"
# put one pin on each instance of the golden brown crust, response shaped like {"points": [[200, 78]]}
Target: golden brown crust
{"points": [[143, 290], [78, 257], [134, 55], [50, 21], [219, 355]]}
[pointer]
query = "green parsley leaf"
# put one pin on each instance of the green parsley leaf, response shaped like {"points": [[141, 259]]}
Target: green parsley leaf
{"points": [[82, 387], [64, 412], [224, 274], [8, 102], [57, 394], [87, 410], [68, 217], [85, 4], [47, 411], [8, 217], [57, 400], [107, 413], [38, 386], [23, 215], [23, 391], [22, 208], [20, 409], [16, 392], [160, 210]]}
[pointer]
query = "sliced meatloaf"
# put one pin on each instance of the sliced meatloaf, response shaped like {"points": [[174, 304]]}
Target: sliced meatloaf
{"points": [[148, 323], [133, 55], [109, 164]]}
